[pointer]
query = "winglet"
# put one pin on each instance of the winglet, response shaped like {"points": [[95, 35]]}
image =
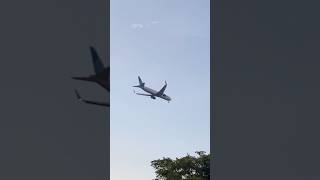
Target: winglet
{"points": [[78, 95], [90, 102]]}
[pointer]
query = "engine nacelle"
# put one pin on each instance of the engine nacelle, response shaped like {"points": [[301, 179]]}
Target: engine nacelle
{"points": [[152, 97]]}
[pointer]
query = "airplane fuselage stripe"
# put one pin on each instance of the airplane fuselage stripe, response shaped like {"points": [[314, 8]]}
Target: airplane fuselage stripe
{"points": [[149, 90]]}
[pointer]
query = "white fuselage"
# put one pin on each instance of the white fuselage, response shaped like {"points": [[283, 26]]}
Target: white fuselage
{"points": [[154, 93]]}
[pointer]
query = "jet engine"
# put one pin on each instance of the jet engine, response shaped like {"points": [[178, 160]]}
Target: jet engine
{"points": [[152, 97]]}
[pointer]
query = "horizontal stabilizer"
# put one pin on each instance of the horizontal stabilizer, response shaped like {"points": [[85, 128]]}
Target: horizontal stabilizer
{"points": [[82, 78]]}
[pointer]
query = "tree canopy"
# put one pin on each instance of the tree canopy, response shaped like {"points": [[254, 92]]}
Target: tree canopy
{"points": [[187, 167]]}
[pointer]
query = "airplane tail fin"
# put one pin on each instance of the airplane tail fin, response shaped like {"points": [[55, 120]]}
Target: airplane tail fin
{"points": [[141, 84], [97, 62]]}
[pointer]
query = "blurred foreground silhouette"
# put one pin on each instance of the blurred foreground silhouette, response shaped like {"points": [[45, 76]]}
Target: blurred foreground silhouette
{"points": [[187, 167]]}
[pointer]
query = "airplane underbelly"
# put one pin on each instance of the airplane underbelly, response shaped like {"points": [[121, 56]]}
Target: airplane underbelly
{"points": [[149, 90]]}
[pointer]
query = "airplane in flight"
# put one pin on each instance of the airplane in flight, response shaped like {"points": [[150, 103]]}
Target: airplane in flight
{"points": [[101, 77], [152, 93]]}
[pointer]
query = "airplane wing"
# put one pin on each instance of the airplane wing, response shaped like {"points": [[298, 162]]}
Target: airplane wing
{"points": [[142, 94], [159, 93], [90, 102]]}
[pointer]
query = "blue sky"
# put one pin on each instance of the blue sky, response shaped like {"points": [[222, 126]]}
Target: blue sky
{"points": [[158, 40]]}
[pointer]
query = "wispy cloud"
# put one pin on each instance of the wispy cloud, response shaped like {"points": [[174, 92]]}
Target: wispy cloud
{"points": [[155, 22], [141, 26], [137, 26]]}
